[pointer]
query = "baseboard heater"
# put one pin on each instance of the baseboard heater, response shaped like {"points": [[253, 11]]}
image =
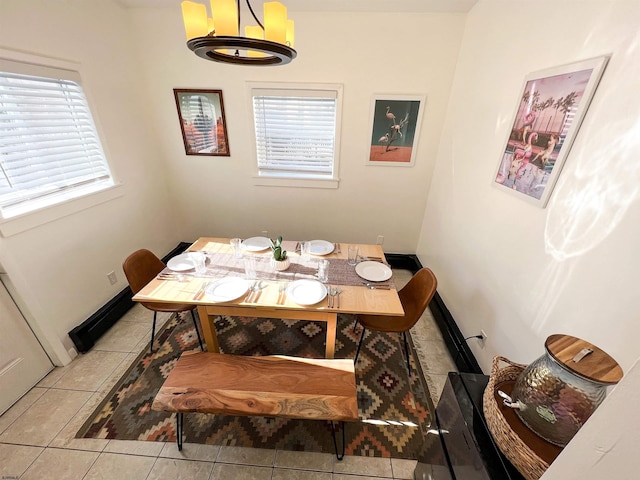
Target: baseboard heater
{"points": [[85, 335], [88, 332]]}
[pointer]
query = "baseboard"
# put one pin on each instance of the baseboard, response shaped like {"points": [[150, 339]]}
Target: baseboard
{"points": [[453, 338], [88, 332], [85, 335]]}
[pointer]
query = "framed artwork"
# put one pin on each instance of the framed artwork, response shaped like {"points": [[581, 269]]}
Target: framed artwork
{"points": [[547, 117], [201, 115], [395, 124]]}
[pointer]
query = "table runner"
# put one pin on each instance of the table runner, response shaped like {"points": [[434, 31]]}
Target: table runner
{"points": [[222, 263]]}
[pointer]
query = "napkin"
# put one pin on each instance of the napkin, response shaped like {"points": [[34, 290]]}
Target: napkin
{"points": [[290, 246]]}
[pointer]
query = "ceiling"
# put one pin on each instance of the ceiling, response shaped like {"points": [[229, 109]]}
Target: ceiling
{"points": [[397, 6]]}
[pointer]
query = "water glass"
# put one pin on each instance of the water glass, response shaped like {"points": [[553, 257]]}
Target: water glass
{"points": [[323, 270], [235, 246], [305, 252], [250, 262], [352, 254], [199, 261]]}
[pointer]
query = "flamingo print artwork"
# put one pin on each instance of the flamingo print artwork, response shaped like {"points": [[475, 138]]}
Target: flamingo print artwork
{"points": [[521, 156], [390, 115]]}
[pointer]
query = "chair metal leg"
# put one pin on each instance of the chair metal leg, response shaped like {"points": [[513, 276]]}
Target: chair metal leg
{"points": [[153, 330], [340, 455], [195, 324], [406, 350], [355, 359], [355, 324], [179, 428]]}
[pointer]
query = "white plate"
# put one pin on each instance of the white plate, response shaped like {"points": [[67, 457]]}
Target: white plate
{"points": [[321, 247], [227, 289], [180, 263], [373, 271], [256, 244], [306, 292]]}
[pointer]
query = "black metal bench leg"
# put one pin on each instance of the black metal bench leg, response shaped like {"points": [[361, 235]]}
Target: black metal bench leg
{"points": [[340, 455], [179, 428], [195, 324], [406, 350]]}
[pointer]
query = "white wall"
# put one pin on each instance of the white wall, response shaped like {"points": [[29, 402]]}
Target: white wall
{"points": [[517, 271], [520, 272], [367, 53], [59, 268]]}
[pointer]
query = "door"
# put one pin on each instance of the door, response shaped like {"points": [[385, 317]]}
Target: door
{"points": [[23, 362]]}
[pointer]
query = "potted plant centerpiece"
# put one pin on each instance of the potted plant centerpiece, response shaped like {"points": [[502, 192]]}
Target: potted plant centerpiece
{"points": [[279, 260]]}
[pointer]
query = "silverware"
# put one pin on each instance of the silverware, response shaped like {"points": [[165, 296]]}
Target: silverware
{"points": [[200, 293], [337, 245], [374, 259], [329, 297], [173, 276], [258, 291], [338, 292], [373, 286], [252, 290], [281, 293]]}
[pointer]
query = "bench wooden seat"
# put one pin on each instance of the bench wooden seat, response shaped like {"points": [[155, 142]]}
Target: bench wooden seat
{"points": [[271, 386]]}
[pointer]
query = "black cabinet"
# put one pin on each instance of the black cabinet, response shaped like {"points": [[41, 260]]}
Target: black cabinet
{"points": [[461, 447]]}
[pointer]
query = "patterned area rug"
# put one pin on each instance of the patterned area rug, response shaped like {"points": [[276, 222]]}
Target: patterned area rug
{"points": [[392, 407]]}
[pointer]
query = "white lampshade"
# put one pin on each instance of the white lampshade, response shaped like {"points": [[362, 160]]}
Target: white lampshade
{"points": [[225, 17], [194, 16], [275, 22]]}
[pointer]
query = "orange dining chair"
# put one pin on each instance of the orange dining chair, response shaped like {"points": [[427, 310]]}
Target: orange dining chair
{"points": [[140, 268], [415, 297]]}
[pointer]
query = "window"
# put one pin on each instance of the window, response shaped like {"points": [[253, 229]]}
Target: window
{"points": [[49, 148], [297, 132]]}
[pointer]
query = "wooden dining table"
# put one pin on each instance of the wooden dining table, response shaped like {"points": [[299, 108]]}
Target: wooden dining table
{"points": [[355, 296]]}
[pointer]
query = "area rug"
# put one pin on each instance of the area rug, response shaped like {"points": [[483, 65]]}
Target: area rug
{"points": [[393, 408]]}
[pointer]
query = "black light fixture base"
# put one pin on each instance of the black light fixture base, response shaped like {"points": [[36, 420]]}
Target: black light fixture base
{"points": [[212, 48]]}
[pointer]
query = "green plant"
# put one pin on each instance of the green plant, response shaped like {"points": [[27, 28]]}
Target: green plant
{"points": [[276, 247]]}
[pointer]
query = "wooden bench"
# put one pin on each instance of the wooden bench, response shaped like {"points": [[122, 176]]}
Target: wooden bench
{"points": [[270, 386]]}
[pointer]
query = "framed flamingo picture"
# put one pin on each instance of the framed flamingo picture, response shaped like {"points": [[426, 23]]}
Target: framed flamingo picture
{"points": [[395, 124], [201, 115], [550, 109]]}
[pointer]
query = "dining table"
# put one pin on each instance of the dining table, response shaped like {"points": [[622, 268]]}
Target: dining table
{"points": [[269, 294]]}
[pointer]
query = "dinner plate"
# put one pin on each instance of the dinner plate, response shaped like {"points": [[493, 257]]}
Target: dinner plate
{"points": [[373, 271], [180, 263], [320, 247], [226, 289], [306, 292], [256, 244]]}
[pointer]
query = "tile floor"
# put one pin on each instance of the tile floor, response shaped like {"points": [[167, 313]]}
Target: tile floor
{"points": [[37, 433]]}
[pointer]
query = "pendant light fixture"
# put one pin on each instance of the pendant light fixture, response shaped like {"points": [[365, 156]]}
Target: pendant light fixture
{"points": [[218, 38]]}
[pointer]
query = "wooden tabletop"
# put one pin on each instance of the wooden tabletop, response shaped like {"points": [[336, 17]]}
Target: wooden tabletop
{"points": [[353, 299]]}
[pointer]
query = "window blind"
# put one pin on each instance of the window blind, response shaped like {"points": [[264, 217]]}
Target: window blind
{"points": [[295, 132], [48, 141]]}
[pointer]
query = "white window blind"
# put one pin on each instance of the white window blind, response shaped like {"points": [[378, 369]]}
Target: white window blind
{"points": [[296, 132], [49, 146]]}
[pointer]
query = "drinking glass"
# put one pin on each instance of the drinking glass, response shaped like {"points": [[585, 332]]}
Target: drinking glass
{"points": [[250, 266], [352, 254], [199, 261], [323, 270], [235, 246], [304, 251]]}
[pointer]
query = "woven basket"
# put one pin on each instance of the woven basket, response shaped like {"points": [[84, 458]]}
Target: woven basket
{"points": [[528, 463]]}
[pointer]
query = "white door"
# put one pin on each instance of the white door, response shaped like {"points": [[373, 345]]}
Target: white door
{"points": [[23, 362]]}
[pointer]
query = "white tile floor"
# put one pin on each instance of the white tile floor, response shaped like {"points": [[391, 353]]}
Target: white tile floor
{"points": [[37, 433]]}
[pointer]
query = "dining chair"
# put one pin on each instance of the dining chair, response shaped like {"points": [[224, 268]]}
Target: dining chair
{"points": [[415, 297], [140, 268]]}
